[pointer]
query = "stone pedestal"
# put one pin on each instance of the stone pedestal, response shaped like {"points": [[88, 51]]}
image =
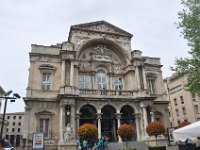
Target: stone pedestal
{"points": [[67, 146], [161, 141]]}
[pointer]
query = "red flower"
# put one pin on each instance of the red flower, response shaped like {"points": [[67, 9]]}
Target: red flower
{"points": [[155, 128], [184, 123], [126, 132]]}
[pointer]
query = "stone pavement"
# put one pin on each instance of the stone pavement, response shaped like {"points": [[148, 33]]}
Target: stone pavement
{"points": [[135, 144]]}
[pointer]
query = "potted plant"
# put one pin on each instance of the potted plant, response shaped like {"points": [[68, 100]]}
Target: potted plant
{"points": [[184, 123], [155, 129], [126, 132], [89, 133]]}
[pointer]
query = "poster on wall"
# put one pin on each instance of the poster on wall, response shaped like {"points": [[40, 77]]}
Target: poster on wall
{"points": [[38, 141]]}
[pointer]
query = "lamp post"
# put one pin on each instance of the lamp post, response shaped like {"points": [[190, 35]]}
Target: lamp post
{"points": [[12, 99]]}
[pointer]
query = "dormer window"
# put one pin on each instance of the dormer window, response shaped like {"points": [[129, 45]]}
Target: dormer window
{"points": [[101, 79]]}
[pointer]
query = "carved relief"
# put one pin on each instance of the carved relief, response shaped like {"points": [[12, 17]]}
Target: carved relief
{"points": [[116, 69], [101, 49], [85, 66]]}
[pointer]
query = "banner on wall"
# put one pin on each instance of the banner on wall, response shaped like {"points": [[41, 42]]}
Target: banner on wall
{"points": [[38, 141]]}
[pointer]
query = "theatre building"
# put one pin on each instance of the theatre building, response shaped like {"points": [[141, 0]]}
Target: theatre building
{"points": [[93, 77]]}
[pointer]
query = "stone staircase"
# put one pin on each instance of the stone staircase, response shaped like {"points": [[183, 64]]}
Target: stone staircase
{"points": [[132, 144]]}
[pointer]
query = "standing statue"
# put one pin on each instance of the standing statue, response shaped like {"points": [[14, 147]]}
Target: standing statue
{"points": [[68, 132]]}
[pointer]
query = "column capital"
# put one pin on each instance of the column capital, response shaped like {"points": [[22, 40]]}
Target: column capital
{"points": [[99, 115], [118, 115], [137, 115], [77, 115]]}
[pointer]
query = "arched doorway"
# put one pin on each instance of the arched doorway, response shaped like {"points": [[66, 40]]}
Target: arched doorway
{"points": [[88, 115], [108, 122], [127, 116]]}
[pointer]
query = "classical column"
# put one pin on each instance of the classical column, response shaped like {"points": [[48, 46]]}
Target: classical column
{"points": [[144, 116], [72, 121], [99, 124], [137, 118], [144, 78], [93, 81], [63, 73], [72, 73], [137, 77], [62, 122], [152, 116], [77, 122], [118, 117]]}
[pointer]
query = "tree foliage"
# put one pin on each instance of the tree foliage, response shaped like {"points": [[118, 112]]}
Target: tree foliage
{"points": [[190, 28], [184, 123]]}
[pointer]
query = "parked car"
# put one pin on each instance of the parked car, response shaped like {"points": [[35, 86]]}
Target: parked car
{"points": [[8, 146]]}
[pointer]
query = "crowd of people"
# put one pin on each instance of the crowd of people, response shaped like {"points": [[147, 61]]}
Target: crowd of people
{"points": [[100, 144]]}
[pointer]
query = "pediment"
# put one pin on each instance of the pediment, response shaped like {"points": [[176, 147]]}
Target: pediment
{"points": [[103, 27], [43, 112]]}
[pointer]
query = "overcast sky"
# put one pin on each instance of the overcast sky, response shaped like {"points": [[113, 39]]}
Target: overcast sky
{"points": [[46, 22]]}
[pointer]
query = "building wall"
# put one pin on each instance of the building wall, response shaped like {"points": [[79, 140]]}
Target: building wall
{"points": [[14, 130], [176, 92], [82, 55]]}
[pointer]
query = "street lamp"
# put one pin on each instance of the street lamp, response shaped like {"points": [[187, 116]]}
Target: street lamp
{"points": [[12, 99]]}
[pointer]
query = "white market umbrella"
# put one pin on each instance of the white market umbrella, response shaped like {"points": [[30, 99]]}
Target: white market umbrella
{"points": [[188, 132]]}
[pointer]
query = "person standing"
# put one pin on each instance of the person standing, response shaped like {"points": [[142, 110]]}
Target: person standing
{"points": [[2, 144]]}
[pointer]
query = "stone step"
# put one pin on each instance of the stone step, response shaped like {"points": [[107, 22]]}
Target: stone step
{"points": [[132, 144]]}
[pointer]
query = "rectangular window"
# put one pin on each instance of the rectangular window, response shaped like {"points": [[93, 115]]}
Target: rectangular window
{"points": [[181, 98], [177, 112], [184, 110], [20, 117], [151, 86], [44, 126], [117, 83], [14, 117], [196, 109], [13, 123], [175, 102], [13, 129], [8, 117], [18, 130], [46, 81], [84, 82], [19, 123], [7, 129], [178, 121], [193, 97]]}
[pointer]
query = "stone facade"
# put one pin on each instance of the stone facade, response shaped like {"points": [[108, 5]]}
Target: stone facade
{"points": [[94, 77], [184, 106], [15, 128]]}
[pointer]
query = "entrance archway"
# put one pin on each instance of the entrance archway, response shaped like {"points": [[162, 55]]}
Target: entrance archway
{"points": [[108, 122], [128, 116], [88, 115]]}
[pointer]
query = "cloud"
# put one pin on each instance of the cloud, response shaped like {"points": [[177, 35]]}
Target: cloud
{"points": [[48, 22]]}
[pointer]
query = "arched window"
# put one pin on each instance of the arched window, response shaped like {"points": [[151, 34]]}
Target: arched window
{"points": [[101, 79]]}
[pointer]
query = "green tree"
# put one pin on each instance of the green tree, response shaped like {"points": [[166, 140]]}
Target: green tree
{"points": [[190, 29]]}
